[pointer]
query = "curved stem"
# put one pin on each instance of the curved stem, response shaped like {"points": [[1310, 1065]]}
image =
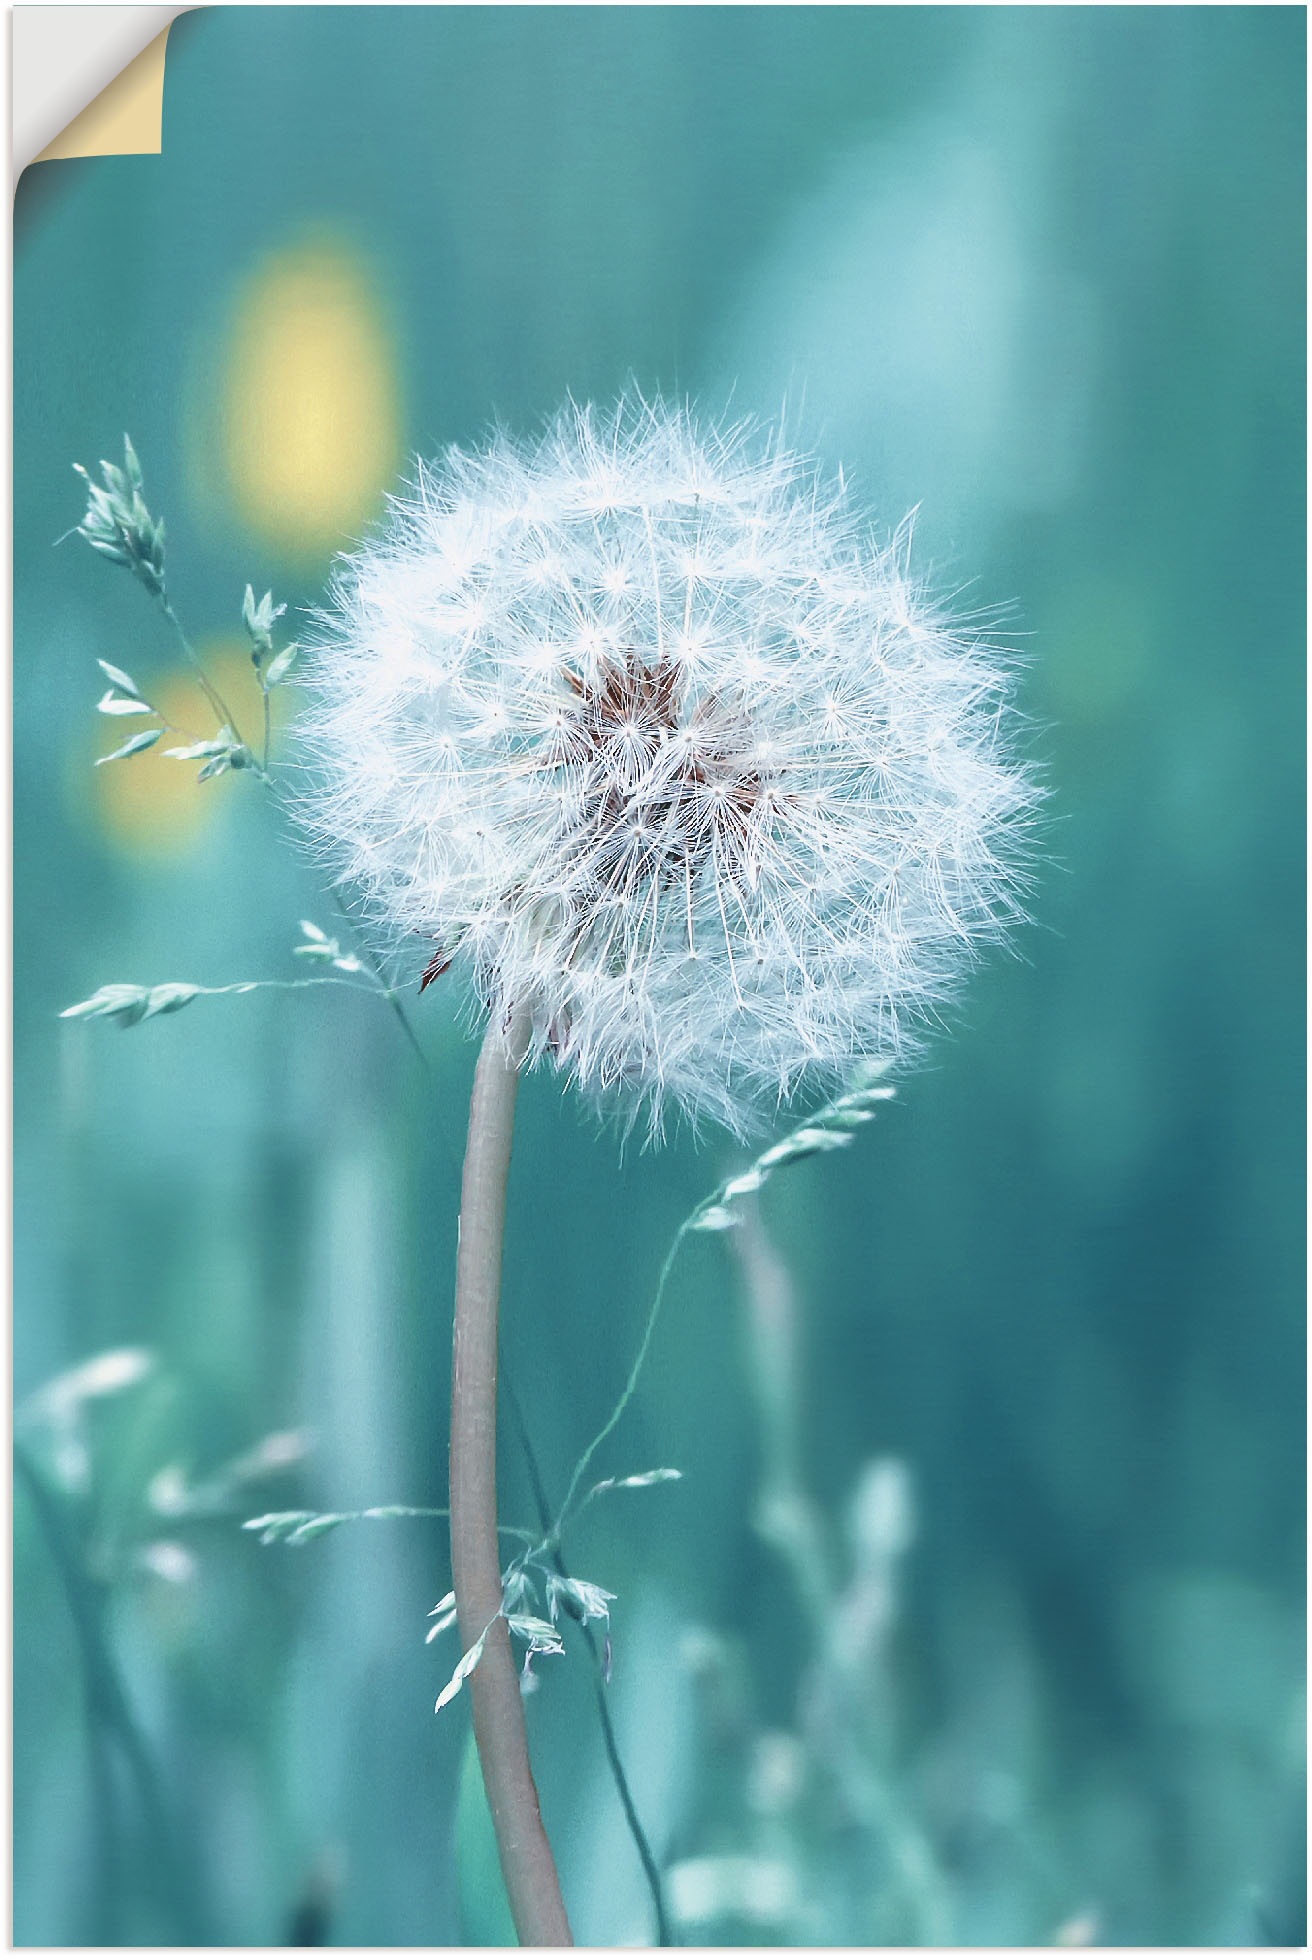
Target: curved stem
{"points": [[526, 1861]]}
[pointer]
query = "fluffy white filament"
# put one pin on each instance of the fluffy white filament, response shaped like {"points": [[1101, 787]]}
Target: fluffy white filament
{"points": [[638, 725]]}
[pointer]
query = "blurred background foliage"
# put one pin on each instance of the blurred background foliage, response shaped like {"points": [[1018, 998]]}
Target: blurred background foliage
{"points": [[977, 1615]]}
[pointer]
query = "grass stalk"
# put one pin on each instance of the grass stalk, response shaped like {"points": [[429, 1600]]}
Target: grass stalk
{"points": [[646, 1855], [108, 1708]]}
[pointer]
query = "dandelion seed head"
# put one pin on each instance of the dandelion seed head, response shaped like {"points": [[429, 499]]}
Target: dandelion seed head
{"points": [[638, 726]]}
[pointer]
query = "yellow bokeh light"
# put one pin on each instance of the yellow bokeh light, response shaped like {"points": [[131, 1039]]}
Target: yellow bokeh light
{"points": [[150, 805], [311, 419]]}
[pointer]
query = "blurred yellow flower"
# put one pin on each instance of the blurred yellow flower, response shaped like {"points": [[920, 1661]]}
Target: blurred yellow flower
{"points": [[310, 415]]}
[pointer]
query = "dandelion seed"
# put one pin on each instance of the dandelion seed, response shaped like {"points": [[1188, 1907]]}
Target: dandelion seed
{"points": [[639, 728]]}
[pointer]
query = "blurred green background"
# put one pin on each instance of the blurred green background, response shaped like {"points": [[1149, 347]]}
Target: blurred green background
{"points": [[1041, 272]]}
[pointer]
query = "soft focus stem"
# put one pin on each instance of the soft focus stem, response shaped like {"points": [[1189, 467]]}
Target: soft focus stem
{"points": [[527, 1865], [108, 1708]]}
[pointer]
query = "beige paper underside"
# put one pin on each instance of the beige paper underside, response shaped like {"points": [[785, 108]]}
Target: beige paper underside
{"points": [[54, 63], [126, 119]]}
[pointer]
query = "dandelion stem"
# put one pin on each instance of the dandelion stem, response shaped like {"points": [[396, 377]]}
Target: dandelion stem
{"points": [[527, 1864]]}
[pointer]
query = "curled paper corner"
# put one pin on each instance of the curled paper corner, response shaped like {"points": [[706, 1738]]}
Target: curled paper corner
{"points": [[88, 81]]}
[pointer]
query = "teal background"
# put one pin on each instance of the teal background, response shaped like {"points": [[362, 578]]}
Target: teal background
{"points": [[1040, 271]]}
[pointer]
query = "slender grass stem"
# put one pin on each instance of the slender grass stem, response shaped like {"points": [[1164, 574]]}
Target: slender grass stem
{"points": [[634, 1822], [627, 1392], [393, 1001], [527, 1864], [262, 770], [389, 993], [107, 1701], [208, 689], [109, 1840]]}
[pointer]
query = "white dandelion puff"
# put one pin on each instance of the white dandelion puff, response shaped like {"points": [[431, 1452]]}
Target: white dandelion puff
{"points": [[640, 727]]}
